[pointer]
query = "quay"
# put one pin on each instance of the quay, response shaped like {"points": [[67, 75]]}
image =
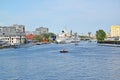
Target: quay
{"points": [[109, 43]]}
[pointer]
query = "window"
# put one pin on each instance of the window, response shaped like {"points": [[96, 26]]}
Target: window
{"points": [[3, 33]]}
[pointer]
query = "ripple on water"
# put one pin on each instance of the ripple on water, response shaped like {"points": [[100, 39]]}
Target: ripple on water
{"points": [[87, 61]]}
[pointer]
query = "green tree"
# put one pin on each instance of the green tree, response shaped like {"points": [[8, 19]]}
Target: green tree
{"points": [[47, 36], [37, 38], [100, 35], [52, 37]]}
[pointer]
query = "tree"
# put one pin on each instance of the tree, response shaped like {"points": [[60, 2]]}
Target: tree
{"points": [[100, 35], [37, 38], [49, 36], [46, 36]]}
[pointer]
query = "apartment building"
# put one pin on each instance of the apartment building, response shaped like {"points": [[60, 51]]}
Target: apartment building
{"points": [[14, 34], [41, 30], [115, 31]]}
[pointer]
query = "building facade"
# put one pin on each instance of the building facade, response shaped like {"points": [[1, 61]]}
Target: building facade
{"points": [[41, 30], [38, 31], [14, 34], [115, 31]]}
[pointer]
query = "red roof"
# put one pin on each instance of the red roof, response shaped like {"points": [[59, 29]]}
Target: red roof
{"points": [[30, 36]]}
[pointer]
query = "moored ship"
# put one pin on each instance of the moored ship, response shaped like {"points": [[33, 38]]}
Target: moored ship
{"points": [[63, 37], [66, 37]]}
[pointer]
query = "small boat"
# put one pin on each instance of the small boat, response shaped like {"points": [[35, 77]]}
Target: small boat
{"points": [[16, 46], [63, 51], [38, 43]]}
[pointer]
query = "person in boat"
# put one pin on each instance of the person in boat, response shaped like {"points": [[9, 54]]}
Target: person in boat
{"points": [[64, 50]]}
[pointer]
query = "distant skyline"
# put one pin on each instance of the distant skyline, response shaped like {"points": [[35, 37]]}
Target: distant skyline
{"points": [[80, 16]]}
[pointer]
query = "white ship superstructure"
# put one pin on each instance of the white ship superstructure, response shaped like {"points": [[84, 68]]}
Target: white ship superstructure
{"points": [[64, 37]]}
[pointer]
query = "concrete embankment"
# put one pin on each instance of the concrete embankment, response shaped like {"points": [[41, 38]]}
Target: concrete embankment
{"points": [[109, 43]]}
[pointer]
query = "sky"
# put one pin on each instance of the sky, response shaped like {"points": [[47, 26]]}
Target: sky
{"points": [[81, 16]]}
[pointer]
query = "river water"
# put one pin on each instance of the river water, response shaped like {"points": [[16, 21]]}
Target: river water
{"points": [[87, 61]]}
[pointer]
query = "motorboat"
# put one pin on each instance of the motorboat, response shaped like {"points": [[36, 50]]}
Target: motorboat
{"points": [[63, 51]]}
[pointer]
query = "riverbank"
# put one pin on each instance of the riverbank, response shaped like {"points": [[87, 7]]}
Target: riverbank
{"points": [[109, 43], [22, 45], [2, 47], [17, 46]]}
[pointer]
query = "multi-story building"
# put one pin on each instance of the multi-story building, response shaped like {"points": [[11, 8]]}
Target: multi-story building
{"points": [[38, 31], [41, 30], [13, 34], [115, 31]]}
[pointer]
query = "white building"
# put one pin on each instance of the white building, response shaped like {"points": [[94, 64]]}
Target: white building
{"points": [[13, 34]]}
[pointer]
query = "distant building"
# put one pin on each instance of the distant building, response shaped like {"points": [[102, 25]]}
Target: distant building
{"points": [[115, 31], [14, 34], [41, 30], [38, 31]]}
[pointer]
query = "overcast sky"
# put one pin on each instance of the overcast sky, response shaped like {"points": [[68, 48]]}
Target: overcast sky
{"points": [[80, 16]]}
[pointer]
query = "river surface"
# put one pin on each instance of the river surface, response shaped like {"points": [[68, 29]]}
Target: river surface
{"points": [[86, 61]]}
